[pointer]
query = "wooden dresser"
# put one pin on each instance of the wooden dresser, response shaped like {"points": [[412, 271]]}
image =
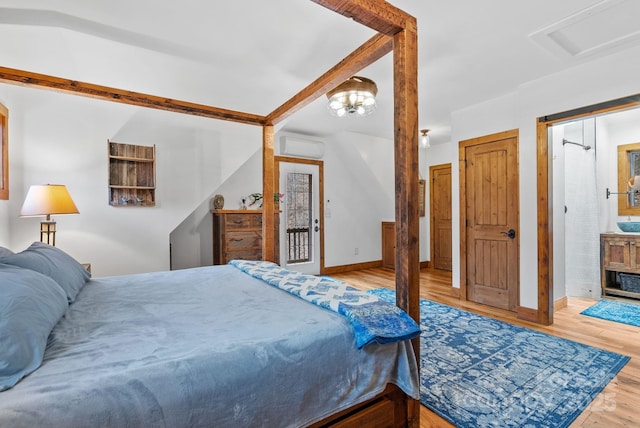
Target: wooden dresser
{"points": [[619, 255], [237, 234]]}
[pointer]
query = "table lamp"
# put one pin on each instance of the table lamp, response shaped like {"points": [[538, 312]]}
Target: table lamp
{"points": [[48, 199]]}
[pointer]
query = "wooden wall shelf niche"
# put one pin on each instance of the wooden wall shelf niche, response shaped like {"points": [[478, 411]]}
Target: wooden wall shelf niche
{"points": [[132, 175]]}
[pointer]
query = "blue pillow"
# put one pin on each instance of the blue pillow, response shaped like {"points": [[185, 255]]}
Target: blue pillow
{"points": [[30, 306], [5, 252], [54, 263]]}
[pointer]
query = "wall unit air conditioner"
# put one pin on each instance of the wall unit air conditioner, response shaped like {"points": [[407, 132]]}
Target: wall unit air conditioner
{"points": [[300, 147]]}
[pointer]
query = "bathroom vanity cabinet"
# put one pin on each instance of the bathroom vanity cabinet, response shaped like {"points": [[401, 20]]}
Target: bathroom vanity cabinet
{"points": [[620, 264]]}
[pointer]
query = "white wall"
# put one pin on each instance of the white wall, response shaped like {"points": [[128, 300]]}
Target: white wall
{"points": [[604, 79], [607, 175], [57, 138], [5, 236], [192, 240], [359, 186], [358, 195]]}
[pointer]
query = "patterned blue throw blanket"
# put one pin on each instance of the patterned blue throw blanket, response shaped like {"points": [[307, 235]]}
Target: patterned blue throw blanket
{"points": [[373, 319]]}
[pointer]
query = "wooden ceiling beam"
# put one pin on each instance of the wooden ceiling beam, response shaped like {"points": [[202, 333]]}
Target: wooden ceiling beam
{"points": [[43, 81], [368, 53], [376, 14]]}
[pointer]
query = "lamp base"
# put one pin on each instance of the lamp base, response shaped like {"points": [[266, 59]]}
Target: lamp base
{"points": [[48, 232]]}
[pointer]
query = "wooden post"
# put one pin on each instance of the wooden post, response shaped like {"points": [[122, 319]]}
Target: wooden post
{"points": [[405, 59], [268, 205], [545, 227]]}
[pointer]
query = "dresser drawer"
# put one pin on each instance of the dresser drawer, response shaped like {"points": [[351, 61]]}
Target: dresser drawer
{"points": [[239, 240], [237, 221], [243, 255]]}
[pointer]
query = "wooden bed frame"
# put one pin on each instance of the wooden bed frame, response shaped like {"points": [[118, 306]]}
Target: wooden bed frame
{"points": [[397, 33]]}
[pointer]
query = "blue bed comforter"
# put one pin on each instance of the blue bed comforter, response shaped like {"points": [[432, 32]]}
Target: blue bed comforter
{"points": [[372, 319], [201, 347]]}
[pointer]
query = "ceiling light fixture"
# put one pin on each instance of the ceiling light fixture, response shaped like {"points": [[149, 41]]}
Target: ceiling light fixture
{"points": [[425, 143], [353, 97]]}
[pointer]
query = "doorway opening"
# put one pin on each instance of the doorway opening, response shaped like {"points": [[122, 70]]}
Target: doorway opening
{"points": [[548, 207], [300, 184]]}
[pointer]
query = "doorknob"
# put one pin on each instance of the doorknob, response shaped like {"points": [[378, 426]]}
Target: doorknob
{"points": [[510, 233], [316, 228]]}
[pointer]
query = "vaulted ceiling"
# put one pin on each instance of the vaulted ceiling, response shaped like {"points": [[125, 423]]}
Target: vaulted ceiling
{"points": [[252, 55]]}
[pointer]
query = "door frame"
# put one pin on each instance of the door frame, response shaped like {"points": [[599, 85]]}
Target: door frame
{"points": [[320, 165], [432, 168], [462, 145], [545, 192]]}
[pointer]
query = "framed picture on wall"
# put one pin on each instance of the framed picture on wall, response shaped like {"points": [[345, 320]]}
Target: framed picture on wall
{"points": [[422, 184]]}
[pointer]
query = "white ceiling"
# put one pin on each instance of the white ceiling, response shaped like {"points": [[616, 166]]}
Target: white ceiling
{"points": [[252, 55]]}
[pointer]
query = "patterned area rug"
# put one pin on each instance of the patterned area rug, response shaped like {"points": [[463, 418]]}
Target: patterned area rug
{"points": [[613, 310], [480, 372]]}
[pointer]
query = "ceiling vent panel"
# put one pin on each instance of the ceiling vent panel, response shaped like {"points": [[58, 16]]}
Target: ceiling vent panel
{"points": [[600, 29]]}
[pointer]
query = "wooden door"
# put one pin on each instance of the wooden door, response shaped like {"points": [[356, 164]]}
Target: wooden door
{"points": [[440, 203], [301, 181], [389, 244], [489, 193]]}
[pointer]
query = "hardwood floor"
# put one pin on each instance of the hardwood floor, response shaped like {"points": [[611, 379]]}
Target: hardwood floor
{"points": [[618, 405]]}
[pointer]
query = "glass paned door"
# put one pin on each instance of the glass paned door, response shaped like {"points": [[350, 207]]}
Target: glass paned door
{"points": [[299, 221], [300, 234]]}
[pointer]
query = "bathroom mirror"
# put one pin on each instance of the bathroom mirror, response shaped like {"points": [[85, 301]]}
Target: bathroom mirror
{"points": [[628, 166]]}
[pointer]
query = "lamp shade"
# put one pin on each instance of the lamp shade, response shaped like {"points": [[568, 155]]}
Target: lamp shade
{"points": [[47, 199]]}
